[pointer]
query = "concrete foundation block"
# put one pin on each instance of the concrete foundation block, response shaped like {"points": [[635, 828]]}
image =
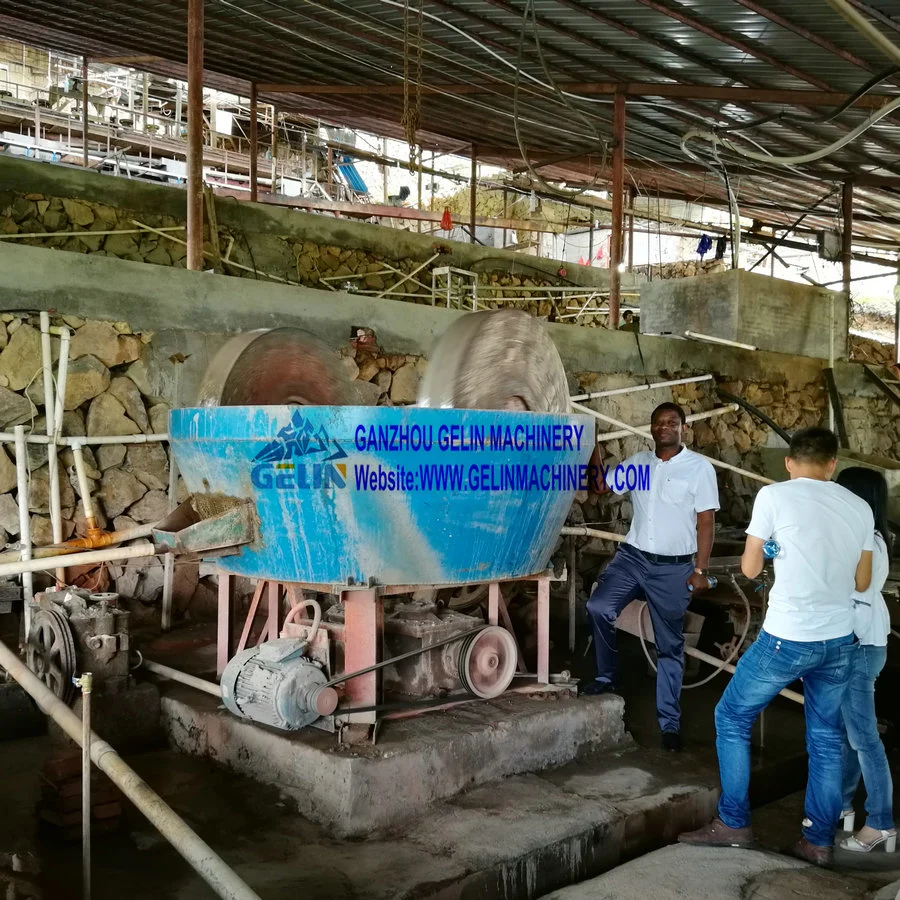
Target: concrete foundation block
{"points": [[356, 791]]}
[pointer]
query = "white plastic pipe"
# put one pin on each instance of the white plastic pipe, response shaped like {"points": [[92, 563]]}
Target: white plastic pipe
{"points": [[24, 521], [62, 376], [84, 485], [642, 387], [867, 29], [717, 340], [175, 675], [169, 561], [89, 557], [89, 440], [645, 433], [204, 860], [114, 537], [694, 417], [49, 413]]}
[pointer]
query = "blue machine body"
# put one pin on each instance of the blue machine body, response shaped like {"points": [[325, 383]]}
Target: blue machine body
{"points": [[402, 495]]}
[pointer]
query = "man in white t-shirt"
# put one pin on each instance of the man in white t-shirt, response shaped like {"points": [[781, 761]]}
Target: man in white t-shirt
{"points": [[664, 559], [825, 536]]}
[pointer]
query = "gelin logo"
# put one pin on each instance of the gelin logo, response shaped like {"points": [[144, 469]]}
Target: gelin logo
{"points": [[296, 460]]}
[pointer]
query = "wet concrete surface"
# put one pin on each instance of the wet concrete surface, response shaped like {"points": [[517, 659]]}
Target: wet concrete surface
{"points": [[523, 836]]}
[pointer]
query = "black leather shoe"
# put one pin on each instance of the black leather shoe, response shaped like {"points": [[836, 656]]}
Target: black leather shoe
{"points": [[595, 688], [671, 741]]}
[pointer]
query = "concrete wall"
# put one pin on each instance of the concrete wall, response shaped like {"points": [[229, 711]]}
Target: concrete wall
{"points": [[752, 309]]}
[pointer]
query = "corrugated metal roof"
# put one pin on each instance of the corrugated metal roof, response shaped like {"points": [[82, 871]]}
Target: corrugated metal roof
{"points": [[475, 45]]}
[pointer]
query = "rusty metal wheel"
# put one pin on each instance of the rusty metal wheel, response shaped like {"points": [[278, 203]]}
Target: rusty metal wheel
{"points": [[51, 652], [282, 366], [487, 662]]}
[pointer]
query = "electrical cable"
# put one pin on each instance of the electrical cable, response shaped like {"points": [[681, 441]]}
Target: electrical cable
{"points": [[800, 159], [519, 71], [731, 656], [783, 116]]}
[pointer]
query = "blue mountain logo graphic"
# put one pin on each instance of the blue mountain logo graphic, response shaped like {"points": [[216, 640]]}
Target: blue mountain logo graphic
{"points": [[300, 438]]}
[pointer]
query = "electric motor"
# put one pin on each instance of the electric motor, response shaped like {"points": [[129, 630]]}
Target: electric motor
{"points": [[275, 684]]}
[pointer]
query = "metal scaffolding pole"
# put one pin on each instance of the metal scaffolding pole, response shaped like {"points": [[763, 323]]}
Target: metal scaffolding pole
{"points": [[254, 141], [618, 191], [195, 136], [84, 111], [473, 192]]}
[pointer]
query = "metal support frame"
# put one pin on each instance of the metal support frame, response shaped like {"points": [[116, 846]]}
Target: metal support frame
{"points": [[473, 193], [254, 142], [224, 633], [84, 113], [363, 630], [618, 191], [195, 136], [446, 291], [837, 408], [847, 240], [886, 387]]}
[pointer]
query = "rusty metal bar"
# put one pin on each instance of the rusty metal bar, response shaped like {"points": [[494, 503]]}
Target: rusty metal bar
{"points": [[84, 112], [633, 89], [846, 254], [473, 193], [847, 233], [254, 141], [618, 196], [195, 136]]}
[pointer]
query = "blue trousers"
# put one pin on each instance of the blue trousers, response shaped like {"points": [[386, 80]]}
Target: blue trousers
{"points": [[863, 752], [629, 576], [769, 665]]}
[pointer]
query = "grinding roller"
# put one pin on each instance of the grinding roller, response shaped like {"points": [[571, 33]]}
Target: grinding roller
{"points": [[496, 359], [281, 366]]}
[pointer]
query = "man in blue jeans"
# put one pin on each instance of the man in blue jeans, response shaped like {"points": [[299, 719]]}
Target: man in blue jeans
{"points": [[825, 536]]}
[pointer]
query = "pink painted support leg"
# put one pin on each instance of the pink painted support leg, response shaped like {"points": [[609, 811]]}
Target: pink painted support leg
{"points": [[543, 631], [493, 603], [274, 609], [363, 635], [223, 637], [251, 615]]}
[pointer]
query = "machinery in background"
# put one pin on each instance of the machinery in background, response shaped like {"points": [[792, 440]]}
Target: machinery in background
{"points": [[74, 631]]}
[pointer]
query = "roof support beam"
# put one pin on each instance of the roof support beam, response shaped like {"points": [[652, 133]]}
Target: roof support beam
{"points": [[599, 88]]}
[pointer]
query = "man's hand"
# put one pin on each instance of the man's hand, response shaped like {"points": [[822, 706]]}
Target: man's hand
{"points": [[698, 583]]}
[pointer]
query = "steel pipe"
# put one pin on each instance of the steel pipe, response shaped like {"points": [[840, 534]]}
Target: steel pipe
{"points": [[202, 858]]}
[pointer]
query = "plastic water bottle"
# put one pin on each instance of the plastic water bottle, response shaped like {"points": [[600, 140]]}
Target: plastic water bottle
{"points": [[711, 580], [771, 549]]}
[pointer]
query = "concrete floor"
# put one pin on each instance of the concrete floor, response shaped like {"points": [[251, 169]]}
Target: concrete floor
{"points": [[524, 836]]}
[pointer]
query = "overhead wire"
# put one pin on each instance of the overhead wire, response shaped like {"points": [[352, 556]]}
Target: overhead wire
{"points": [[529, 7]]}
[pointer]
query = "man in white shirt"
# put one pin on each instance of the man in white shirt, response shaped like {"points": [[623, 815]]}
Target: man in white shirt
{"points": [[674, 496], [825, 537]]}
